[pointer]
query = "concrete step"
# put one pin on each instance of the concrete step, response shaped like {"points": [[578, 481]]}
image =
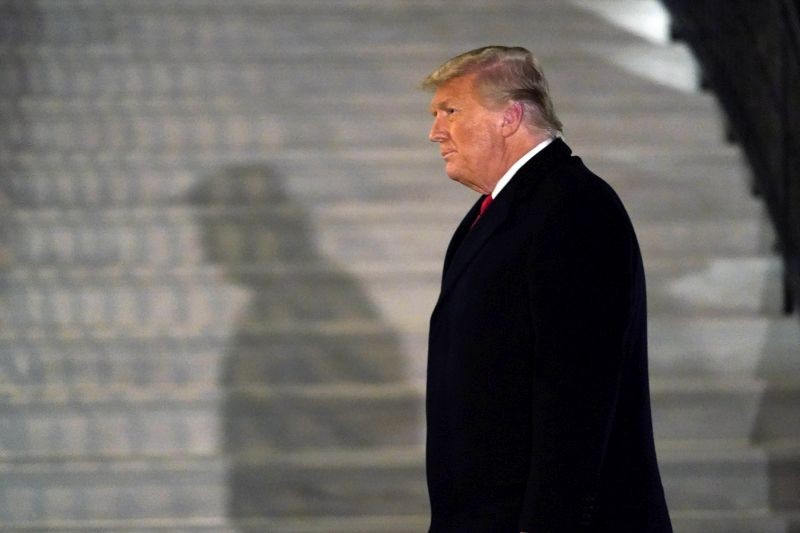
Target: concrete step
{"points": [[145, 420], [681, 346], [309, 524], [232, 37], [332, 483], [721, 165], [93, 296], [317, 181], [285, 303], [715, 287], [119, 418], [747, 521], [130, 122], [212, 166], [188, 134], [308, 5], [380, 176], [148, 328], [767, 476], [282, 78], [173, 133], [751, 521], [186, 306], [624, 128], [167, 235], [291, 25], [738, 408], [574, 101], [316, 357], [311, 351], [754, 346], [350, 232]]}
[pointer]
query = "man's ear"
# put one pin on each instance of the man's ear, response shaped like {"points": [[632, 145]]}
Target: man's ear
{"points": [[512, 118]]}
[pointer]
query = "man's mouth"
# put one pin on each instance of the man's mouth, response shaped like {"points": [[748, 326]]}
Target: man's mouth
{"points": [[446, 153]]}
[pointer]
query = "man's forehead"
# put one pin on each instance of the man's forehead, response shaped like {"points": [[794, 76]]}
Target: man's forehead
{"points": [[440, 101], [456, 90]]}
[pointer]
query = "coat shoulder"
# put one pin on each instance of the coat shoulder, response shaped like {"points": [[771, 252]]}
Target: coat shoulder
{"points": [[571, 189]]}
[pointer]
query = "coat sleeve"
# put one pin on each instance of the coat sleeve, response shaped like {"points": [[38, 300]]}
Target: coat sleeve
{"points": [[579, 287]]}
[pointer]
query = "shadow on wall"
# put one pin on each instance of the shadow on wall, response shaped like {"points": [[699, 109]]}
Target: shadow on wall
{"points": [[308, 367], [21, 25]]}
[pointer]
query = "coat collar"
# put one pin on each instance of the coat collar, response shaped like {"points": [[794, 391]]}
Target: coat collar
{"points": [[466, 242]]}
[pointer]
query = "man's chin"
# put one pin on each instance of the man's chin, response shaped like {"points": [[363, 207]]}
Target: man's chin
{"points": [[453, 174], [459, 177]]}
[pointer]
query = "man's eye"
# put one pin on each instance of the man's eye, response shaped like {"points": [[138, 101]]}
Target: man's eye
{"points": [[446, 111]]}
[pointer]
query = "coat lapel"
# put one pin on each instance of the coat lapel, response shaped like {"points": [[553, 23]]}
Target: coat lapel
{"points": [[466, 242], [461, 232], [474, 239]]}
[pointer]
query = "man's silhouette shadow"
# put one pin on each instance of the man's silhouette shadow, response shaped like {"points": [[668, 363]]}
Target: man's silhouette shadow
{"points": [[308, 335]]}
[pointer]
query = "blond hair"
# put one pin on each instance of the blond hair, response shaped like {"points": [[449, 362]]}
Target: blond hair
{"points": [[504, 74]]}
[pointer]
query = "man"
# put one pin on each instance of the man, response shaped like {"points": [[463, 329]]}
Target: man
{"points": [[538, 410]]}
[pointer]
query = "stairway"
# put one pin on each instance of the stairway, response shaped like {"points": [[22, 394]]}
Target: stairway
{"points": [[222, 233]]}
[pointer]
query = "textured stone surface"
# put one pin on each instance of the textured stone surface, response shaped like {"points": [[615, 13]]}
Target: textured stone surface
{"points": [[221, 235]]}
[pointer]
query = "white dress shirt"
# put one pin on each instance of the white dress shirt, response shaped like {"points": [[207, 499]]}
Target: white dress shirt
{"points": [[516, 166]]}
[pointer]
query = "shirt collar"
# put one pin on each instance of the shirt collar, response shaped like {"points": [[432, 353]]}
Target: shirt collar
{"points": [[516, 166]]}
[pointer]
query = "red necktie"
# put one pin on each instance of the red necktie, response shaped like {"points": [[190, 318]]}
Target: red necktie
{"points": [[484, 206]]}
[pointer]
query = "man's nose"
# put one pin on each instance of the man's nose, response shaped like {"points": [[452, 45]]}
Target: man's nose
{"points": [[437, 133]]}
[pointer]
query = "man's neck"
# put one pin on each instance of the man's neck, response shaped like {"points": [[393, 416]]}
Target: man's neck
{"points": [[518, 163], [516, 148]]}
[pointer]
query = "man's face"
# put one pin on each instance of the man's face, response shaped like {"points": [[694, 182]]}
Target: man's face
{"points": [[468, 134]]}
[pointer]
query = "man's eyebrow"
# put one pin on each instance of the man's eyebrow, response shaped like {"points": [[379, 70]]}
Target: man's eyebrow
{"points": [[444, 104]]}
